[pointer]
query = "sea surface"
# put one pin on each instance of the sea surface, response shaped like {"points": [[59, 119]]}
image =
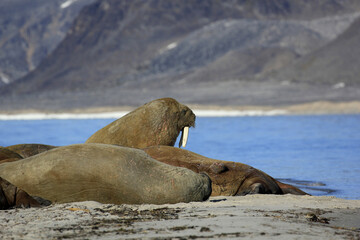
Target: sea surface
{"points": [[320, 153]]}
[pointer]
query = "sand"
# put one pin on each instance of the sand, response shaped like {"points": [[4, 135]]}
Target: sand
{"points": [[247, 217]]}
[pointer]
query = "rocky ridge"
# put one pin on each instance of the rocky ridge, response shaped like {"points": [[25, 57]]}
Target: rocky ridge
{"points": [[30, 30], [228, 52]]}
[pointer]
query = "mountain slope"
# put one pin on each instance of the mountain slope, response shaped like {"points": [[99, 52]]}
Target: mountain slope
{"points": [[334, 63], [125, 52], [30, 30]]}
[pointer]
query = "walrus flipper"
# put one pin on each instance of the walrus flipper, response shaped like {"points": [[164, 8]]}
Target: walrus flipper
{"points": [[289, 189], [11, 196]]}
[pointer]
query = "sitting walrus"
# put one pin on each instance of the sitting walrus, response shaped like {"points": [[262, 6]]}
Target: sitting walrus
{"points": [[156, 123], [104, 173], [228, 178]]}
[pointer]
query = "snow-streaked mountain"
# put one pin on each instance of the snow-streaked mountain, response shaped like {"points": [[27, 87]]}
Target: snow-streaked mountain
{"points": [[214, 52], [30, 30]]}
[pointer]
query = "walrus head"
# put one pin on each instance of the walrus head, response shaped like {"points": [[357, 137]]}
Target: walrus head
{"points": [[158, 122]]}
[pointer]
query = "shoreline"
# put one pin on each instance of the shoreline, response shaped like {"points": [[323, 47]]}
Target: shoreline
{"points": [[313, 108], [251, 216]]}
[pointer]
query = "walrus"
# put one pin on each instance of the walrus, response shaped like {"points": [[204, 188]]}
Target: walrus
{"points": [[29, 149], [7, 155], [11, 196], [104, 173], [158, 122], [228, 178]]}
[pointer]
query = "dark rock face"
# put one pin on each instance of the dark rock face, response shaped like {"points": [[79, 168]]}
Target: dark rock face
{"points": [[30, 30], [130, 52]]}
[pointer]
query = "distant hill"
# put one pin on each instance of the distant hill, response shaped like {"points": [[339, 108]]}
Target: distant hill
{"points": [[211, 52], [30, 30], [336, 64]]}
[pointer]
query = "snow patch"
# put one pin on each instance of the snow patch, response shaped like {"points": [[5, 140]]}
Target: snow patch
{"points": [[4, 78], [171, 45], [67, 3], [339, 85], [168, 47]]}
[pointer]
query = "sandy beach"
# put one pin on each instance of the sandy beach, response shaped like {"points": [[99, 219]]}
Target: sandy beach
{"points": [[245, 217]]}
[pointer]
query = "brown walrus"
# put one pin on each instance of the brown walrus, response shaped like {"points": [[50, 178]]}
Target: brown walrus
{"points": [[104, 173], [158, 122], [11, 196], [228, 178], [28, 150], [7, 155]]}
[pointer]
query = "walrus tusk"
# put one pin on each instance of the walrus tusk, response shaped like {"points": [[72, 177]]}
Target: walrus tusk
{"points": [[184, 137]]}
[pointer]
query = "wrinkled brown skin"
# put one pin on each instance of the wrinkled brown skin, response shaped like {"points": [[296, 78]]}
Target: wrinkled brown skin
{"points": [[228, 178], [158, 122], [11, 196], [28, 150], [106, 174]]}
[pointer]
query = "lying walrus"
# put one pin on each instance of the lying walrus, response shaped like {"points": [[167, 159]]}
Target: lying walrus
{"points": [[105, 173], [156, 123], [28, 150], [11, 196], [21, 151], [228, 178], [7, 155]]}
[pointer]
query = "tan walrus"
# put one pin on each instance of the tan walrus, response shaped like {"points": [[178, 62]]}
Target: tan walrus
{"points": [[29, 149], [105, 173], [228, 178], [7, 155], [21, 151], [158, 122]]}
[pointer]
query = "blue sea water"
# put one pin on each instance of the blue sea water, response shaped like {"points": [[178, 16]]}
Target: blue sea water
{"points": [[320, 154]]}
